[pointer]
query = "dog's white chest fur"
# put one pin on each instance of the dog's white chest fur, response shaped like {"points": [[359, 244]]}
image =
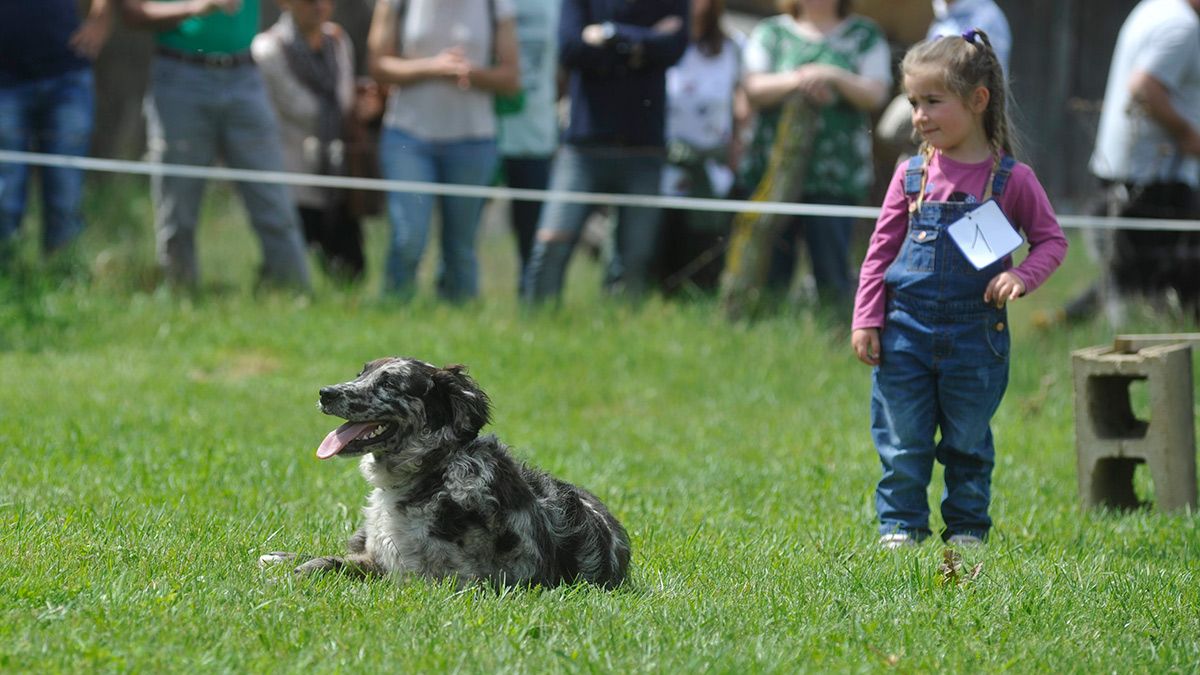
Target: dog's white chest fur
{"points": [[398, 532], [392, 533]]}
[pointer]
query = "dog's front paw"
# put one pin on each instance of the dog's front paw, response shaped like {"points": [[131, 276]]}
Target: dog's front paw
{"points": [[274, 558], [324, 564]]}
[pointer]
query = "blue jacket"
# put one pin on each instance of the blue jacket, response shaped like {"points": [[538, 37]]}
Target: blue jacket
{"points": [[33, 40], [618, 90]]}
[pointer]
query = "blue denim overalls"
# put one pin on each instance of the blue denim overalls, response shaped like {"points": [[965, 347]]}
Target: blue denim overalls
{"points": [[944, 366]]}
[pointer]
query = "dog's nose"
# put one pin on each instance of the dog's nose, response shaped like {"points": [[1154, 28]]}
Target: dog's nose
{"points": [[330, 395]]}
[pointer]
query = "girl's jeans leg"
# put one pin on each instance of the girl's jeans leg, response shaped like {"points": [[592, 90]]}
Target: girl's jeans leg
{"points": [[971, 383], [559, 227], [404, 157], [471, 162], [903, 419], [917, 393]]}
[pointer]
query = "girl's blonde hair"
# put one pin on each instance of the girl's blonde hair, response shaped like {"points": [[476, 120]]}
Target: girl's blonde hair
{"points": [[966, 62]]}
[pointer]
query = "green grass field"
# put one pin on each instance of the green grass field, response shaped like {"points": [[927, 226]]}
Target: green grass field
{"points": [[152, 446]]}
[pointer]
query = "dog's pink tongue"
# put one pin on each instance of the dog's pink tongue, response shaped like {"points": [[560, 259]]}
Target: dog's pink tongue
{"points": [[339, 437]]}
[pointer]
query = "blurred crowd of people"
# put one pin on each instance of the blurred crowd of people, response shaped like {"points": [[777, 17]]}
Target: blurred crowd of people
{"points": [[617, 96]]}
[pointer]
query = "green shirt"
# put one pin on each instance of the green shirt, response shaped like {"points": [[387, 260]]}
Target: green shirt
{"points": [[216, 33], [840, 165]]}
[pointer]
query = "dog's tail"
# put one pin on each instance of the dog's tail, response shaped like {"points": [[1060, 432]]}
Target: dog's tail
{"points": [[594, 546]]}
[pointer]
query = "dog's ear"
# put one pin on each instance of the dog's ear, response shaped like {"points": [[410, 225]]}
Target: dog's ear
{"points": [[464, 408]]}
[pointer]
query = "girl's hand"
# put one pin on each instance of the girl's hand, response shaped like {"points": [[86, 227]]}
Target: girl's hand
{"points": [[1002, 288], [866, 345]]}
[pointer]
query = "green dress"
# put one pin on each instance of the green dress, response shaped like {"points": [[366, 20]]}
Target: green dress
{"points": [[839, 165]]}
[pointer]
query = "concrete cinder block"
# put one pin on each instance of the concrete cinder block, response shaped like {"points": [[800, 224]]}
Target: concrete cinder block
{"points": [[1110, 441]]}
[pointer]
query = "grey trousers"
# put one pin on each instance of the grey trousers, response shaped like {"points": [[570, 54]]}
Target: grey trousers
{"points": [[195, 114]]}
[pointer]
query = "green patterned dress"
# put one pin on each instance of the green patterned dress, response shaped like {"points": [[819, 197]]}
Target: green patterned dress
{"points": [[839, 165]]}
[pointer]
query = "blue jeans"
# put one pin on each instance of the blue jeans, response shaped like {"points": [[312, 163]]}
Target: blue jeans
{"points": [[52, 115], [195, 114], [403, 156], [828, 242], [532, 173], [942, 371], [612, 170]]}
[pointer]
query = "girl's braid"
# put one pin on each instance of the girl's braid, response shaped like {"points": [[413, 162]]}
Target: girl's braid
{"points": [[995, 118]]}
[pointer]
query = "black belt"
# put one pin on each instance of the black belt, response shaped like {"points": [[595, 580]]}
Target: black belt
{"points": [[214, 60]]}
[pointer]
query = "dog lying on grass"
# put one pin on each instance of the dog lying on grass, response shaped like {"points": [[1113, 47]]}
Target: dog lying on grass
{"points": [[448, 503]]}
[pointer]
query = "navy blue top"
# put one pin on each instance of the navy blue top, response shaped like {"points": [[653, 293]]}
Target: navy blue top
{"points": [[618, 91], [33, 39]]}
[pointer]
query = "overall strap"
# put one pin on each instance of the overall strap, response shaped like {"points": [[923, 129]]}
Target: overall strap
{"points": [[1001, 175], [912, 175], [914, 181]]}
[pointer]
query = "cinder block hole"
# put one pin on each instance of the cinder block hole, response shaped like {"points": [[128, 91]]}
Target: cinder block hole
{"points": [[1139, 401], [1118, 405], [1113, 482], [1143, 483]]}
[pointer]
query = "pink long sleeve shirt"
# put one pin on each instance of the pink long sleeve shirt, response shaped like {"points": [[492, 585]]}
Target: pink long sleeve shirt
{"points": [[1024, 201]]}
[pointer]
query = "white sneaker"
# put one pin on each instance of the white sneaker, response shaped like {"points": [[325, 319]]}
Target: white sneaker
{"points": [[896, 540], [964, 540]]}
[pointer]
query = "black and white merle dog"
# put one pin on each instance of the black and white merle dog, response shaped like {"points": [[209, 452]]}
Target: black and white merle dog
{"points": [[448, 503]]}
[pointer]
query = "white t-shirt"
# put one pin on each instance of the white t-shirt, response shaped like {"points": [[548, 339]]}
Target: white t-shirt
{"points": [[437, 110], [1162, 38], [533, 132], [700, 110]]}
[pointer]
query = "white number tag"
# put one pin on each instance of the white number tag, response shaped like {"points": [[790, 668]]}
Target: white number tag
{"points": [[985, 235]]}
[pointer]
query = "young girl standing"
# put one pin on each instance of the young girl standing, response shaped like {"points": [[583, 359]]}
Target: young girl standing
{"points": [[934, 327]]}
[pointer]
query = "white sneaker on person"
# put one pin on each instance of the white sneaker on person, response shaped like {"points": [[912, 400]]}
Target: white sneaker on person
{"points": [[896, 540], [964, 540]]}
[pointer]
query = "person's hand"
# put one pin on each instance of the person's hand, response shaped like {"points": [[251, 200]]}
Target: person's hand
{"points": [[228, 6], [1002, 288], [815, 82], [668, 25], [594, 35], [865, 342], [91, 36], [453, 64], [368, 100]]}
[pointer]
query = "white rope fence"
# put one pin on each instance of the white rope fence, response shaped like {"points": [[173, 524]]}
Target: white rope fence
{"points": [[692, 203]]}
